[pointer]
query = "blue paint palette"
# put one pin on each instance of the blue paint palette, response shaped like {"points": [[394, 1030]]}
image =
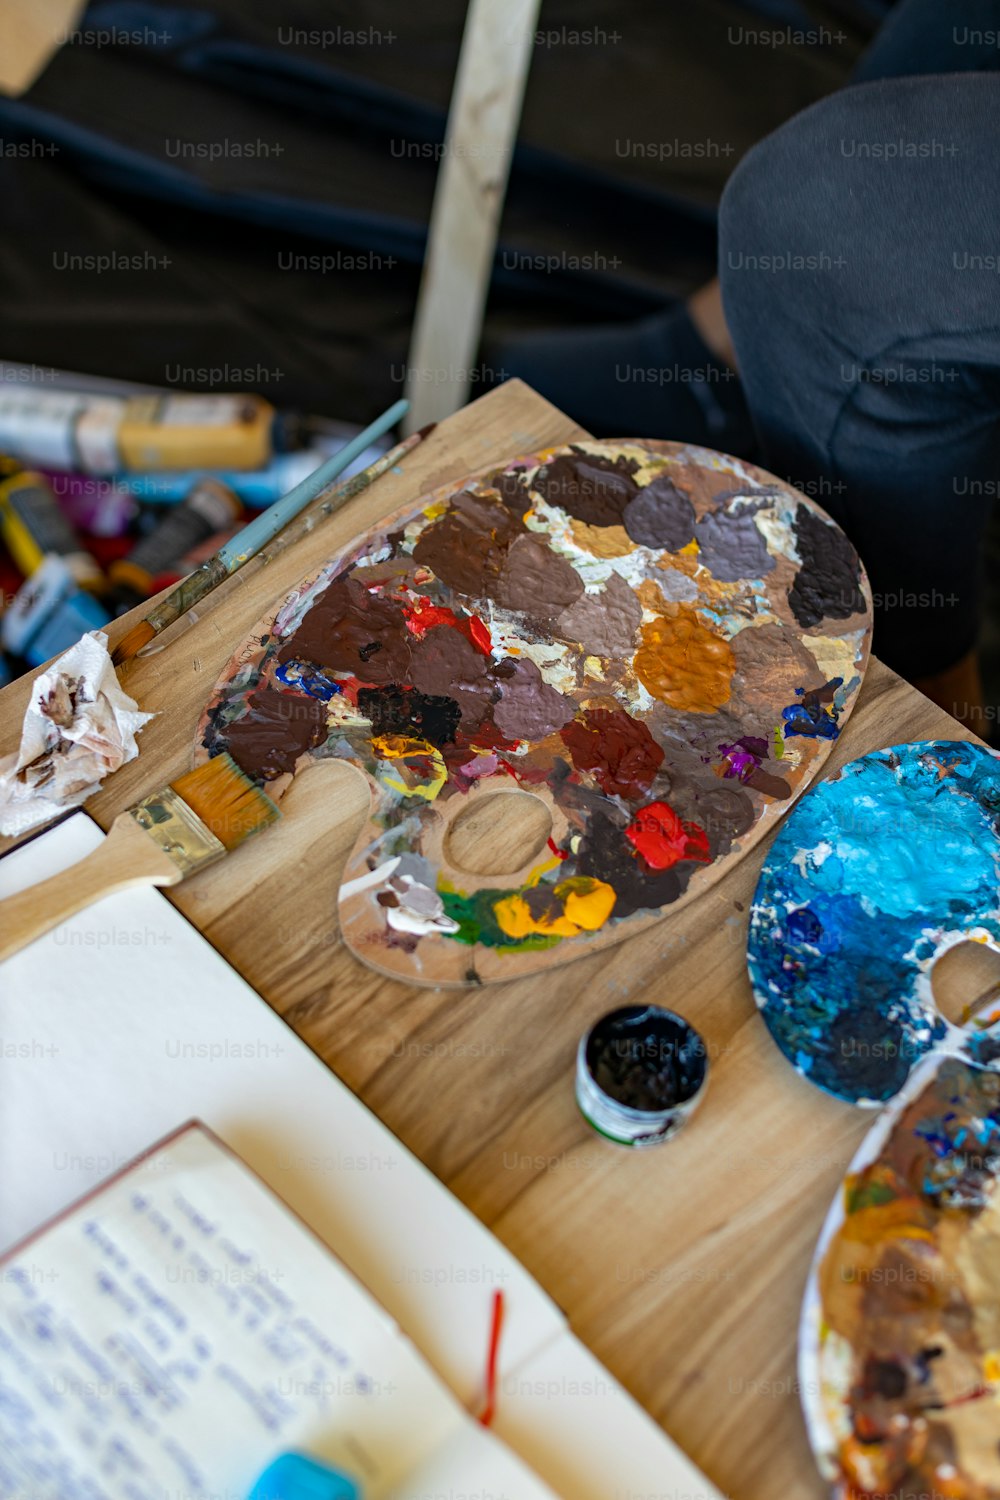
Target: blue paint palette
{"points": [[877, 872]]}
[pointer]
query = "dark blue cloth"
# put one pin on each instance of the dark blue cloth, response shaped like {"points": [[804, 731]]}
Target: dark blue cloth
{"points": [[860, 266], [859, 256]]}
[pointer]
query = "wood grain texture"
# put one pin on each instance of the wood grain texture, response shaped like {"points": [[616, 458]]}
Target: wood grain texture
{"points": [[683, 1267]]}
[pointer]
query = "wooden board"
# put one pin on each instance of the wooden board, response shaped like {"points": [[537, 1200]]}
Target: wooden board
{"points": [[683, 1267], [651, 647], [492, 74]]}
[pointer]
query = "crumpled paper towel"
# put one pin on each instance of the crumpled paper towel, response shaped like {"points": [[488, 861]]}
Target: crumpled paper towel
{"points": [[78, 728]]}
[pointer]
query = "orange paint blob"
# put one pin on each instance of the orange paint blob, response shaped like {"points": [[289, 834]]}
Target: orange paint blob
{"points": [[685, 664]]}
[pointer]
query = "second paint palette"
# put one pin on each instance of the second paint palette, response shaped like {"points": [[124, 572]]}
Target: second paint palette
{"points": [[659, 644], [877, 873]]}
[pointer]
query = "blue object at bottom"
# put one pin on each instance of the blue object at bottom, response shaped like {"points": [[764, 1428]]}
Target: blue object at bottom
{"points": [[295, 1477]]}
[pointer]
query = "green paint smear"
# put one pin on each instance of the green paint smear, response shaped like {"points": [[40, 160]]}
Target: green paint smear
{"points": [[868, 1195], [477, 923]]}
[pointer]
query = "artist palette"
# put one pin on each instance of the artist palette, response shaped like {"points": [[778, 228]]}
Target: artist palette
{"points": [[899, 1340], [657, 644], [876, 874]]}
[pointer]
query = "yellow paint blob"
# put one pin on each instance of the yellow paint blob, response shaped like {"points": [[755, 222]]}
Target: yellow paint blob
{"points": [[601, 541], [514, 919], [685, 664], [420, 770], [587, 904], [586, 901]]}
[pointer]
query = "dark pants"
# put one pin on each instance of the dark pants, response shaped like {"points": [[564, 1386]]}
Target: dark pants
{"points": [[860, 269]]}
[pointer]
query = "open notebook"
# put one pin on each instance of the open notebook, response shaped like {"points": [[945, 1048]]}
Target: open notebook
{"points": [[124, 1023], [178, 1329]]}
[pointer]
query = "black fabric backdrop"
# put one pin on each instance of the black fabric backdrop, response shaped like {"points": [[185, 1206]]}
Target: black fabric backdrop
{"points": [[327, 148]]}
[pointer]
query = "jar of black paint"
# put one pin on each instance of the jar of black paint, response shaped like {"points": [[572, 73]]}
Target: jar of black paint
{"points": [[640, 1072]]}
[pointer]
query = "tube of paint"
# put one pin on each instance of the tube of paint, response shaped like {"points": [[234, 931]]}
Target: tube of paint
{"points": [[640, 1072], [101, 507], [210, 507], [101, 434], [183, 432], [257, 488], [33, 525], [49, 614], [41, 427]]}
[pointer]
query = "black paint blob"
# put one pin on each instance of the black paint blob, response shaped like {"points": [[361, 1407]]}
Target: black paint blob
{"points": [[828, 584], [607, 855], [397, 710], [646, 1058]]}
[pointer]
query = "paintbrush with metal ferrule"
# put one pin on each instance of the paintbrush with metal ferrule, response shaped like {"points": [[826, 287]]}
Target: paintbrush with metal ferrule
{"points": [[248, 542], [175, 832], [325, 505]]}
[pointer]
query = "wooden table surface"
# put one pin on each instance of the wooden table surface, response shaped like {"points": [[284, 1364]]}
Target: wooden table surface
{"points": [[682, 1268]]}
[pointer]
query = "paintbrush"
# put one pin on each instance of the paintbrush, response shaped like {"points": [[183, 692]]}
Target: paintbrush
{"points": [[248, 542], [175, 832], [324, 507]]}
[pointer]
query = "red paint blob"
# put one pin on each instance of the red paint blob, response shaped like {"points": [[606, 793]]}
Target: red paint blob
{"points": [[478, 634], [663, 840], [424, 615]]}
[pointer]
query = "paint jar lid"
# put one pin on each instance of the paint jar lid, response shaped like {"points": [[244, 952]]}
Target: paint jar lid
{"points": [[640, 1072]]}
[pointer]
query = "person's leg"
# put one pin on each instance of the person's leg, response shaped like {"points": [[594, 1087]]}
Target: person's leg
{"points": [[659, 378], [858, 258], [933, 36], [917, 37]]}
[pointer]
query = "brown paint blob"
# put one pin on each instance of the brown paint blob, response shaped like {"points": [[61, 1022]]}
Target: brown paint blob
{"points": [[529, 709], [279, 727], [661, 515], [537, 580], [591, 488], [466, 547], [770, 664], [618, 750], [351, 630], [512, 487], [606, 622], [447, 664], [685, 664]]}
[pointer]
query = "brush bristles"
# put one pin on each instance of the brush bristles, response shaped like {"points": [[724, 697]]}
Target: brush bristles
{"points": [[226, 800], [140, 635]]}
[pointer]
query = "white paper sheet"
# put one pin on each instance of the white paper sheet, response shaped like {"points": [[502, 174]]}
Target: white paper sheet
{"points": [[124, 1023], [179, 1330]]}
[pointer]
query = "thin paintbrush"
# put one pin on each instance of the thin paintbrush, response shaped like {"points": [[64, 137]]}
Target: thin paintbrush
{"points": [[324, 506], [240, 548], [169, 835]]}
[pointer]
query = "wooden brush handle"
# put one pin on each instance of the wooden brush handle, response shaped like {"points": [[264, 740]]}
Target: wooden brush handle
{"points": [[128, 857]]}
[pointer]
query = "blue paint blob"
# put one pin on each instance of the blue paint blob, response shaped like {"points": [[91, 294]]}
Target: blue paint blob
{"points": [[305, 677], [815, 716], [873, 875]]}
